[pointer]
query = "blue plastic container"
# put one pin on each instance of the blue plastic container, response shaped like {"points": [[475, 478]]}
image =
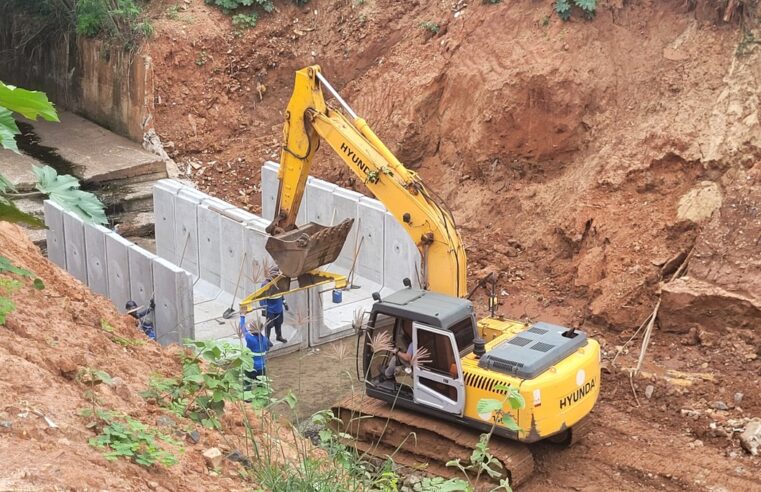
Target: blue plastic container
{"points": [[337, 296]]}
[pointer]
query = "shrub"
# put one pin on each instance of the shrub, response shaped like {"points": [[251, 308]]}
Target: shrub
{"points": [[564, 8]]}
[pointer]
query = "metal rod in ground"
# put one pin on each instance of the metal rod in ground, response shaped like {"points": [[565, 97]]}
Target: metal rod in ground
{"points": [[230, 311]]}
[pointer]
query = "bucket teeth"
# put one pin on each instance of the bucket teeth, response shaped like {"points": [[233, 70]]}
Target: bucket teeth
{"points": [[307, 247]]}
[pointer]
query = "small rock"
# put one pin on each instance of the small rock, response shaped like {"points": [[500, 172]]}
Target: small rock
{"points": [[719, 405], [115, 382], [738, 398], [164, 421], [697, 443], [732, 454], [6, 423], [153, 485], [750, 439], [605, 367], [688, 412], [238, 457], [194, 437], [213, 458], [649, 391]]}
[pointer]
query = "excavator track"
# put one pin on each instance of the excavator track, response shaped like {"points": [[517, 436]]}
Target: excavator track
{"points": [[426, 443]]}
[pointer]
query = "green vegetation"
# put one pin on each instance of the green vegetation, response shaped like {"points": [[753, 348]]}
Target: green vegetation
{"points": [[9, 286], [63, 189], [244, 12], [122, 436], [431, 26], [564, 8], [117, 339], [121, 21], [212, 374]]}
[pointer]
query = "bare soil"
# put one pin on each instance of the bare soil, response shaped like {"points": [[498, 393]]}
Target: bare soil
{"points": [[565, 151], [574, 157], [52, 336]]}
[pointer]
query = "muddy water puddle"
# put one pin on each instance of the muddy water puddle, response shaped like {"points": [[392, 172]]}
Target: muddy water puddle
{"points": [[319, 377]]}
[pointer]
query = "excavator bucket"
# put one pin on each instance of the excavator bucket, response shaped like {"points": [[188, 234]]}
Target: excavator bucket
{"points": [[307, 247]]}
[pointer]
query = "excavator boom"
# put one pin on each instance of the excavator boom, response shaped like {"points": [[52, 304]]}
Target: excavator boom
{"points": [[431, 226]]}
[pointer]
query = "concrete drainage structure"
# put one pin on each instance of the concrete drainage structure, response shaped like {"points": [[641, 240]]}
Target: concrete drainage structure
{"points": [[120, 270], [210, 255]]}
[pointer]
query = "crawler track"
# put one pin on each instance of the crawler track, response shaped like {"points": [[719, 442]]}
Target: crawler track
{"points": [[418, 441]]}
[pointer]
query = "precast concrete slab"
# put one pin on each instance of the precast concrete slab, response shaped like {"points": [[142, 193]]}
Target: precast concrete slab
{"points": [[269, 189], [97, 264], [209, 240], [76, 252], [17, 168], [371, 217], [186, 228], [401, 257], [346, 203], [164, 192], [97, 154], [140, 274], [173, 295], [320, 204], [117, 261], [55, 233], [258, 261], [234, 260]]}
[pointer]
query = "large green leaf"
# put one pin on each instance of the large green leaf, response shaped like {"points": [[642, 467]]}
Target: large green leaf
{"points": [[8, 130], [6, 185], [30, 104], [64, 190], [488, 405], [9, 213]]}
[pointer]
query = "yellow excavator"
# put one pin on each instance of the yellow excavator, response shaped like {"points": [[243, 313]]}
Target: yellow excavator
{"points": [[555, 369]]}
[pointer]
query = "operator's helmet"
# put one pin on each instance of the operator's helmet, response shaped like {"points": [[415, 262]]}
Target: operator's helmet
{"points": [[274, 272], [130, 305]]}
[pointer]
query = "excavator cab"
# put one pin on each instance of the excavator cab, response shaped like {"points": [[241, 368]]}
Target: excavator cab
{"points": [[441, 330]]}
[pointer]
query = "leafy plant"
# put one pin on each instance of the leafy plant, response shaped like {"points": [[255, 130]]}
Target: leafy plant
{"points": [[64, 189], [481, 460], [173, 12], [564, 8], [9, 286], [439, 484], [431, 26], [29, 104], [124, 437], [116, 19], [118, 339], [212, 373], [492, 2], [202, 58], [245, 21]]}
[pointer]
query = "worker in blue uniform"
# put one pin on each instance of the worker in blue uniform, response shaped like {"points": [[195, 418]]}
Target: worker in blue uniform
{"points": [[273, 309]]}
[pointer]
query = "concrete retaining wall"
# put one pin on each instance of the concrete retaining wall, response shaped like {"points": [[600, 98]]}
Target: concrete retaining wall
{"points": [[100, 81], [224, 250], [120, 270]]}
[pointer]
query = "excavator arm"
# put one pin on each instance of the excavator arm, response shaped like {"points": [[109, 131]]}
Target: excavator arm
{"points": [[308, 120]]}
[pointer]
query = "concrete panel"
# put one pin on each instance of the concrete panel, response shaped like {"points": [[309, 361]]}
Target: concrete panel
{"points": [[55, 233], [269, 189], [164, 192], [97, 264], [258, 261], [371, 217], [346, 203], [76, 252], [173, 289], [186, 229], [233, 249], [209, 240], [334, 321], [117, 261], [140, 274], [320, 204], [401, 257]]}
